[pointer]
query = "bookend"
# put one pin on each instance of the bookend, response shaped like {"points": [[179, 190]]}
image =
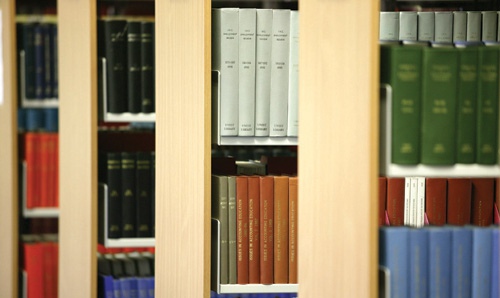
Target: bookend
{"points": [[384, 282], [39, 212]]}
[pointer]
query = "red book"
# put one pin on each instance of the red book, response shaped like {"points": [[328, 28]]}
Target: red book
{"points": [[30, 156], [459, 201], [253, 230], [382, 197], [483, 193], [33, 264], [242, 229], [280, 229], [43, 174], [396, 201], [292, 232], [50, 269], [266, 230], [56, 170], [497, 194], [51, 168], [435, 200]]}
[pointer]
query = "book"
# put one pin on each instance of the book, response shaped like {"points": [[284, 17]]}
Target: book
{"points": [[33, 264], [31, 156], [439, 262], [382, 198], [48, 52], [483, 192], [114, 182], [134, 81], [389, 26], [220, 212], [489, 26], [418, 263], [280, 64], [147, 66], [495, 263], [425, 26], [232, 234], [105, 286], [263, 71], [266, 229], [407, 201], [394, 247], [473, 26], [408, 25], [246, 71], [254, 229], [143, 194], [412, 208], [43, 164], [129, 195], [420, 204], [281, 227], [55, 64], [293, 230], [396, 200], [225, 59], [401, 68], [461, 261], [242, 229], [39, 61], [435, 200], [459, 26], [53, 169], [459, 200], [26, 34], [487, 106], [481, 261], [439, 91], [443, 27], [153, 193], [293, 85]]}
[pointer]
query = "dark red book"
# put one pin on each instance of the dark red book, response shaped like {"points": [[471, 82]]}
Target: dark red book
{"points": [[50, 269], [483, 194], [435, 200], [497, 194], [382, 198], [30, 157], [242, 229], [254, 230], [52, 139], [280, 229], [396, 201], [43, 174], [293, 229], [33, 264], [266, 230], [459, 201]]}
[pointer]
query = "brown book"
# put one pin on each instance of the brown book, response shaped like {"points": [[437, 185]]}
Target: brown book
{"points": [[242, 228], [435, 200], [483, 193], [497, 194], [253, 229], [292, 226], [459, 201], [266, 230], [396, 201], [280, 229], [382, 197]]}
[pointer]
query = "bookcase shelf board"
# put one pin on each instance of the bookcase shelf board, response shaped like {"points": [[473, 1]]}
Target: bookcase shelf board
{"points": [[40, 212], [129, 242], [394, 170], [32, 103]]}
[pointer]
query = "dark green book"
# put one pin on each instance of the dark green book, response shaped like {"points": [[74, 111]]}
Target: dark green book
{"points": [[143, 183], [466, 105], [439, 102], [401, 67], [147, 67], [487, 106], [113, 180], [134, 66], [129, 201]]}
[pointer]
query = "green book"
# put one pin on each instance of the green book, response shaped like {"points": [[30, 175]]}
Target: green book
{"points": [[487, 106], [401, 67], [439, 102], [466, 105]]}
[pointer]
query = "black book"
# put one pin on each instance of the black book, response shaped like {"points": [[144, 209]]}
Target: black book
{"points": [[143, 267], [113, 180], [129, 267], [39, 61], [147, 67], [48, 61], [55, 73], [104, 266], [134, 66], [153, 193], [143, 180], [117, 268], [129, 203], [26, 43]]}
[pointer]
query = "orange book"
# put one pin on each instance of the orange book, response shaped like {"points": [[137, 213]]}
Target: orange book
{"points": [[56, 170], [30, 156], [33, 264], [280, 229], [43, 173], [292, 225], [253, 230], [242, 229], [483, 195], [50, 269], [51, 169], [266, 229]]}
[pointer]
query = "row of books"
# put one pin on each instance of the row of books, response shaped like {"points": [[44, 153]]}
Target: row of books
{"points": [[130, 180], [441, 261], [258, 228], [260, 295], [127, 44], [42, 169], [38, 119], [37, 38], [256, 53], [41, 268], [444, 104], [452, 201], [440, 26]]}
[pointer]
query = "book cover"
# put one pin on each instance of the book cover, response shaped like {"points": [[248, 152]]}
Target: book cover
{"points": [[473, 26], [396, 200], [134, 81], [55, 59], [143, 193], [147, 67], [439, 262], [418, 262], [483, 195], [481, 262], [142, 287], [151, 287], [435, 200], [266, 229], [401, 68], [254, 229], [461, 261], [459, 201], [293, 230], [439, 92], [48, 52], [459, 26], [53, 169], [129, 199], [382, 198], [105, 286], [281, 227], [293, 85], [220, 212], [393, 254], [242, 229], [44, 164], [232, 235]]}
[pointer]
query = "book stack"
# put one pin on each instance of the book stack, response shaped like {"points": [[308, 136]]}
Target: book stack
{"points": [[260, 295], [37, 40], [40, 267], [258, 228], [256, 53]]}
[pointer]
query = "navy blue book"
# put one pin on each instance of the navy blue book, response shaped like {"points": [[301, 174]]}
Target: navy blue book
{"points": [[55, 74], [151, 287], [481, 262], [105, 286], [126, 287], [393, 254], [461, 262], [142, 287], [48, 59], [35, 119], [39, 62], [117, 291], [26, 38], [439, 262], [419, 260], [495, 264]]}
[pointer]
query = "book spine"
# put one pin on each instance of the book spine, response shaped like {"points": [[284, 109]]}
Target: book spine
{"points": [[382, 198], [389, 26], [242, 228], [55, 64], [263, 71], [266, 229], [408, 25], [147, 101], [407, 201], [254, 229], [293, 230], [413, 202], [483, 192], [48, 59], [439, 92], [134, 66], [52, 169], [32, 164], [28, 45], [143, 191], [232, 234], [393, 254], [418, 263], [220, 212], [425, 26], [481, 262], [489, 26], [293, 85], [246, 71], [435, 201], [443, 27], [129, 200], [280, 64], [396, 201], [114, 181], [440, 262], [33, 264], [281, 228], [459, 201], [459, 26], [39, 62], [473, 26], [153, 193], [461, 262], [43, 176], [495, 264], [420, 205]]}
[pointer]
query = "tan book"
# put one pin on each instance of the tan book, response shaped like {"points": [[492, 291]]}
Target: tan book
{"points": [[253, 230], [293, 194], [281, 229], [266, 230]]}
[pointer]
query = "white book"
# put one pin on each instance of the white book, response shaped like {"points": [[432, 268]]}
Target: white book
{"points": [[280, 52], [443, 26], [408, 25], [489, 26], [413, 201], [247, 26], [293, 85], [263, 71], [389, 26], [473, 26], [420, 202], [425, 26], [225, 60], [406, 220], [459, 26]]}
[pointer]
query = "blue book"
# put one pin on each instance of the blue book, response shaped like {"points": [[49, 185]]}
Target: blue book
{"points": [[418, 258], [35, 119], [495, 264], [142, 287], [105, 286], [39, 62], [125, 287], [439, 262], [55, 76], [481, 262], [461, 262], [151, 287], [117, 291], [393, 254]]}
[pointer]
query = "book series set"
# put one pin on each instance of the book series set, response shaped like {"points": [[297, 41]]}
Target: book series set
{"points": [[40, 267]]}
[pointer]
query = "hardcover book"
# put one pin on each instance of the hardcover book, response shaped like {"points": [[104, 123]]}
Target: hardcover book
{"points": [[143, 193], [459, 201], [281, 228], [232, 234], [396, 200], [439, 262], [293, 230], [382, 198], [254, 229], [459, 26], [293, 85], [481, 262], [266, 229], [147, 67], [461, 261], [435, 200], [114, 182], [393, 254], [129, 199], [242, 229], [134, 66], [473, 26], [483, 195], [418, 263], [220, 212]]}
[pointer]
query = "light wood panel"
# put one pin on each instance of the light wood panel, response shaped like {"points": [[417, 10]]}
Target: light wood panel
{"points": [[77, 148], [8, 155], [182, 148], [338, 156]]}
